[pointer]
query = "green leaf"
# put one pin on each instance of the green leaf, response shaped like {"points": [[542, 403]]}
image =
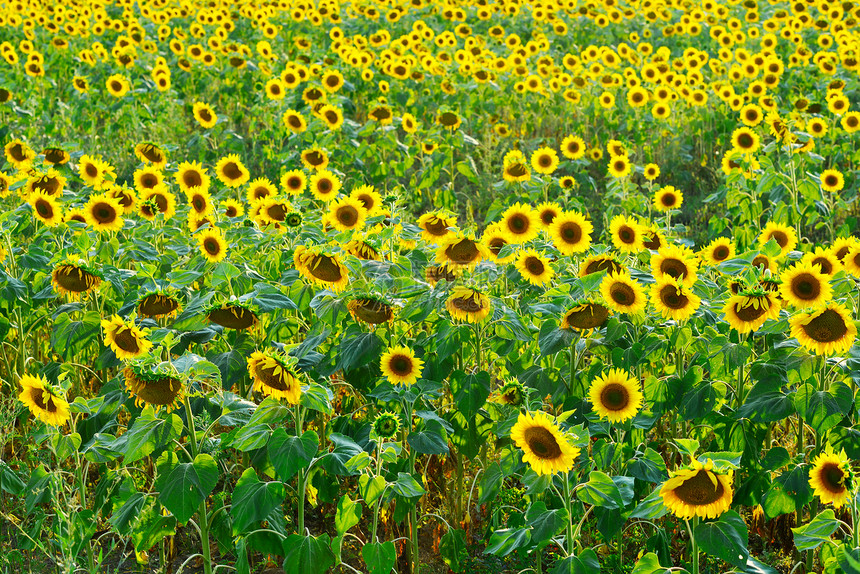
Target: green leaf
{"points": [[357, 350], [600, 490], [452, 547], [470, 391], [431, 440], [649, 564], [651, 507], [725, 538], [151, 527], [10, 481], [817, 532], [270, 411], [503, 542], [380, 557], [250, 437], [344, 449], [371, 488], [585, 563], [307, 554], [545, 523], [849, 560], [777, 501], [253, 500], [407, 487], [187, 485], [289, 454], [348, 514], [149, 433]]}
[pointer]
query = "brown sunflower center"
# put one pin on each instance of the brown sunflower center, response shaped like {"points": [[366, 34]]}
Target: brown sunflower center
{"points": [[448, 119], [400, 365], [148, 180], [671, 297], [571, 232], [50, 185], [826, 327], [315, 158], [104, 212], [752, 310], [325, 268], [294, 182], [831, 180], [294, 121], [436, 226], [231, 170], [211, 245], [495, 245], [192, 178], [161, 392], [153, 154], [198, 202], [602, 264], [17, 152], [805, 286], [91, 170], [324, 186], [233, 317], [824, 263], [542, 443], [347, 215], [615, 397], [44, 208], [832, 477], [517, 170], [463, 252], [652, 241], [587, 316], [627, 234], [156, 305], [74, 279], [125, 340], [468, 304], [699, 490], [519, 223], [547, 216], [720, 253], [622, 293], [745, 141], [282, 381], [544, 161], [534, 266], [668, 199], [780, 237], [675, 268], [371, 311]]}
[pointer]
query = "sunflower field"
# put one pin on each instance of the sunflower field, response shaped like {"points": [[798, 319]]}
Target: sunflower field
{"points": [[429, 286]]}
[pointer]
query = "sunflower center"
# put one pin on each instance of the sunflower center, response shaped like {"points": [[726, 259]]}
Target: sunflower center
{"points": [[162, 391], [192, 179], [152, 154], [295, 121], [571, 233], [622, 293], [277, 211], [542, 443], [44, 209], [627, 234], [831, 180], [761, 261], [780, 237], [436, 226], [156, 305], [699, 490], [518, 223], [824, 263], [17, 152], [125, 340], [745, 141], [279, 382], [50, 185], [671, 297], [827, 327], [496, 244], [347, 215], [721, 253], [199, 203], [325, 268], [604, 264], [448, 119], [535, 266], [652, 241], [211, 245], [806, 286], [462, 252], [372, 311], [74, 279], [832, 478], [668, 199], [91, 170], [324, 186], [544, 161], [587, 316], [233, 317], [547, 216], [675, 268], [517, 170], [752, 310], [104, 212], [231, 170], [467, 304], [615, 397]]}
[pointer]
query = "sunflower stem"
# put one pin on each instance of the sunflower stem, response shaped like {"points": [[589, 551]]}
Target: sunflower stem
{"points": [[569, 525], [694, 546], [300, 522], [204, 520]]}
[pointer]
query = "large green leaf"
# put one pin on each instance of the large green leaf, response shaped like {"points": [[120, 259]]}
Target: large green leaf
{"points": [[308, 554], [348, 514], [503, 542], [817, 532], [379, 557], [187, 485], [470, 391], [149, 433], [600, 490], [289, 454], [545, 523], [452, 547], [151, 527], [725, 538], [253, 500], [649, 564]]}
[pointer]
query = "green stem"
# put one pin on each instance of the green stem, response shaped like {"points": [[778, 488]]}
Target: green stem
{"points": [[204, 519], [694, 546], [569, 525], [303, 476]]}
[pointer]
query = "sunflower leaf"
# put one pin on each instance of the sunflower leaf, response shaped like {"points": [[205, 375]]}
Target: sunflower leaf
{"points": [[149, 433], [817, 532], [600, 490], [289, 454], [725, 539], [254, 499], [307, 554], [187, 485]]}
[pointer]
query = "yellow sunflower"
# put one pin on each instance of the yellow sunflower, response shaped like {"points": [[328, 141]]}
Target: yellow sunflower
{"points": [[200, 201], [212, 244], [804, 286], [826, 330], [274, 376], [191, 175], [673, 300], [749, 310], [370, 199], [19, 154], [784, 235], [826, 261], [585, 315], [148, 152], [294, 121], [717, 251], [163, 201], [231, 171], [204, 114], [832, 180], [104, 213], [400, 366], [622, 293], [598, 263], [93, 170], [547, 212], [315, 158], [830, 478], [545, 447], [619, 166], [544, 160], [74, 279], [125, 339], [626, 234], [466, 304], [371, 310], [46, 208], [494, 239], [346, 214], [321, 268], [676, 262], [615, 396], [852, 261], [156, 389], [294, 181], [667, 198], [461, 252], [534, 267], [698, 491], [573, 147], [434, 226], [324, 185], [44, 403], [521, 223], [571, 232]]}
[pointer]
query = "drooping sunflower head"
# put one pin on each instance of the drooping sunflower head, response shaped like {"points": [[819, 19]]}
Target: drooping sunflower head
{"points": [[698, 491], [545, 447], [750, 309], [512, 392], [231, 171], [571, 232], [615, 396], [75, 279], [784, 235], [386, 425], [598, 263], [831, 478], [232, 315], [825, 330], [159, 303], [717, 251], [461, 252], [521, 223], [124, 338], [677, 262], [294, 121], [275, 375], [805, 286], [674, 300], [667, 198], [516, 171], [148, 152], [627, 234], [44, 401], [153, 386], [19, 154], [371, 309], [435, 226], [321, 267], [50, 183], [467, 304], [585, 315], [315, 158]]}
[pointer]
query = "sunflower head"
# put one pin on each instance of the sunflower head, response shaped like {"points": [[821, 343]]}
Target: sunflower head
{"points": [[825, 330], [371, 309], [124, 338], [153, 386], [750, 309], [159, 303], [399, 365], [673, 299], [466, 304], [275, 375], [386, 425], [232, 315], [545, 447], [805, 286], [585, 315], [615, 396], [512, 392], [321, 268], [698, 491], [45, 401], [75, 278], [831, 478]]}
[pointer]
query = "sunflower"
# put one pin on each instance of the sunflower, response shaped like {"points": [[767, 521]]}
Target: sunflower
{"points": [[545, 447], [232, 316], [156, 389], [370, 199], [346, 214], [386, 425], [832, 180], [749, 310], [698, 491], [784, 235], [825, 259], [626, 234], [449, 120], [93, 170], [461, 252], [544, 160], [466, 304], [619, 166], [434, 226], [212, 244], [51, 183], [745, 140], [520, 223], [598, 263], [148, 177], [511, 392], [315, 158], [826, 330], [75, 279], [5, 183], [717, 251], [371, 310], [804, 286], [547, 212], [162, 200], [321, 268], [260, 189], [324, 185], [615, 396], [294, 181], [667, 198], [117, 85], [571, 232], [44, 402], [204, 114], [200, 201], [294, 121], [673, 300], [435, 273], [148, 152], [275, 376], [494, 239], [45, 208], [191, 175], [516, 171], [830, 478], [231, 171], [360, 248], [104, 213], [158, 304], [124, 338], [19, 154], [585, 315], [676, 262], [651, 171], [399, 365], [852, 261], [622, 293], [534, 267], [652, 238]]}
